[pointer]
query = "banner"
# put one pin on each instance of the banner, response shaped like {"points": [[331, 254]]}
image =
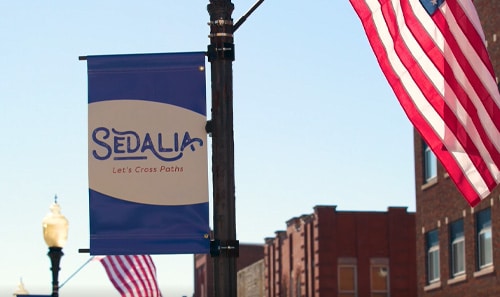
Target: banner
{"points": [[148, 167]]}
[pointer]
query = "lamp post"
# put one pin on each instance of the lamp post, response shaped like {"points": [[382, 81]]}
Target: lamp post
{"points": [[55, 234], [221, 56]]}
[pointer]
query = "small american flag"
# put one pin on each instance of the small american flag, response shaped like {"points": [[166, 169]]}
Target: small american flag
{"points": [[132, 275]]}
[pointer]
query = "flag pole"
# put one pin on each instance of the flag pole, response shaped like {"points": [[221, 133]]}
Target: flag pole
{"points": [[78, 270], [221, 56]]}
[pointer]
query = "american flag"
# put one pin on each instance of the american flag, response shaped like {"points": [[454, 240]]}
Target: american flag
{"points": [[132, 275], [434, 57]]}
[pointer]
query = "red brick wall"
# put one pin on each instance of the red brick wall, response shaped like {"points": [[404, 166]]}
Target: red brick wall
{"points": [[489, 11], [312, 244], [273, 262], [437, 206]]}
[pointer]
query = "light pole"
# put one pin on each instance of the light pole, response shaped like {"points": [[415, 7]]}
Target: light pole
{"points": [[55, 234], [221, 56]]}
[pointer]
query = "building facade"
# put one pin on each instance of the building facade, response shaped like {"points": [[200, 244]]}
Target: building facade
{"points": [[335, 253], [251, 280], [489, 11], [203, 267], [458, 247]]}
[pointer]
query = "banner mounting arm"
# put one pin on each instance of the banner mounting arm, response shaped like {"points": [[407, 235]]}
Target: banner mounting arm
{"points": [[246, 15]]}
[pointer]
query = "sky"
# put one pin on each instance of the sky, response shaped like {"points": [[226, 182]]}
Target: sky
{"points": [[315, 123]]}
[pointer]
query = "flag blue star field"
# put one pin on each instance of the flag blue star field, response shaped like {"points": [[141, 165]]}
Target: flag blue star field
{"points": [[434, 57], [431, 5], [148, 161]]}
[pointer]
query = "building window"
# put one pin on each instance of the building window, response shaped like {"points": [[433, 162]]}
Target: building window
{"points": [[484, 247], [432, 245], [347, 283], [430, 164], [379, 277], [457, 248]]}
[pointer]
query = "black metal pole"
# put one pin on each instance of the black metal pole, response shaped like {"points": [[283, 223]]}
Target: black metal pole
{"points": [[221, 57], [55, 254]]}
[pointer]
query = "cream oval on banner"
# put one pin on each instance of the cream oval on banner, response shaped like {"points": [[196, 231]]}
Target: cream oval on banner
{"points": [[147, 152]]}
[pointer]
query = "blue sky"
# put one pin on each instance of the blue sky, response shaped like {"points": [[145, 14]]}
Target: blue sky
{"points": [[315, 122]]}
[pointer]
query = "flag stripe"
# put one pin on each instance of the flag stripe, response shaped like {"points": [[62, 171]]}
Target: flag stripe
{"points": [[116, 275], [460, 84], [468, 117], [135, 281], [421, 70], [471, 64], [466, 22], [468, 59], [132, 275], [414, 107], [147, 269], [150, 269], [443, 80], [145, 282], [122, 276]]}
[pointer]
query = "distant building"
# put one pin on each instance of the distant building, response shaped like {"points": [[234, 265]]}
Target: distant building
{"points": [[340, 253], [251, 280], [21, 291], [203, 268], [458, 247]]}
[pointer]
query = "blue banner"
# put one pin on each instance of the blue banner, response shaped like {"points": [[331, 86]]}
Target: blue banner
{"points": [[148, 166]]}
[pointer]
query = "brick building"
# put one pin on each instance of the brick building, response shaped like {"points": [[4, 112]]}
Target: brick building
{"points": [[489, 11], [203, 267], [458, 247], [339, 253]]}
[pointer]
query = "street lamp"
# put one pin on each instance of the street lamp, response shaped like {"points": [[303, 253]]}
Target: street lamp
{"points": [[55, 233]]}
